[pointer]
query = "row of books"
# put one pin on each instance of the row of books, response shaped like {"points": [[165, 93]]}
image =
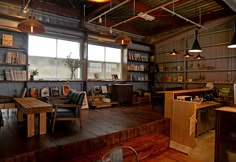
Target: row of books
{"points": [[46, 91], [137, 67], [137, 57], [15, 57], [15, 75]]}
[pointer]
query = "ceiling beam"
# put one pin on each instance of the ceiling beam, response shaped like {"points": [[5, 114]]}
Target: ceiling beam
{"points": [[48, 7]]}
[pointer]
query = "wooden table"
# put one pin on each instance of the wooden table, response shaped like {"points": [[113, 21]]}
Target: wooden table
{"points": [[31, 106]]}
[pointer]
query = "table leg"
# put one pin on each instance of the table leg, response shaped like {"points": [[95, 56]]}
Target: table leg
{"points": [[30, 125], [42, 123], [19, 115]]}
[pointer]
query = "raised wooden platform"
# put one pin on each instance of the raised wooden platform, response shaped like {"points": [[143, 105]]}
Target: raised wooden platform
{"points": [[96, 123]]}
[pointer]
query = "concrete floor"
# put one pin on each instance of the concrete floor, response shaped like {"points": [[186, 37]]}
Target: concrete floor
{"points": [[205, 147]]}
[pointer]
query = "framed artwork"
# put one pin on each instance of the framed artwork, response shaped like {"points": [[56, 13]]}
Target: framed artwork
{"points": [[54, 91], [180, 78], [45, 92], [7, 40], [65, 89], [34, 92]]}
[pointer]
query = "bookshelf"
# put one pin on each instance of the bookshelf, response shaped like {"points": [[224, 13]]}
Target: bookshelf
{"points": [[13, 56]]}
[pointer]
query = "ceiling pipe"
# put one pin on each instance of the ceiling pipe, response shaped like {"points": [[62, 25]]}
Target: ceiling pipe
{"points": [[184, 18], [111, 9], [134, 17]]}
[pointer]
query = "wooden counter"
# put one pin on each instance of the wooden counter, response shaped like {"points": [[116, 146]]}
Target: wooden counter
{"points": [[170, 96], [207, 104], [184, 129], [227, 109]]}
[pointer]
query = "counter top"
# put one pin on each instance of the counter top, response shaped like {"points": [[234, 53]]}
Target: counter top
{"points": [[227, 109], [207, 104], [186, 90]]}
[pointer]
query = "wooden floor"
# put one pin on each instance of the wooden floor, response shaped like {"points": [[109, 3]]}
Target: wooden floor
{"points": [[96, 122]]}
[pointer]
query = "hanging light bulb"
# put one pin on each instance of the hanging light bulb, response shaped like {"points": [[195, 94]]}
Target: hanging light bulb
{"points": [[123, 39], [31, 25], [100, 20], [195, 47], [233, 41]]}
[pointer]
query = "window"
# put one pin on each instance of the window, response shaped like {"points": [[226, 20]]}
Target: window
{"points": [[103, 62], [48, 54]]}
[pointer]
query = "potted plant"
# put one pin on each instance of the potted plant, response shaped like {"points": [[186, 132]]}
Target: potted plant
{"points": [[72, 64], [33, 73]]}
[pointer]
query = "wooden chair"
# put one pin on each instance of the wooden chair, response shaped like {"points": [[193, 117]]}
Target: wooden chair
{"points": [[120, 154], [67, 108]]}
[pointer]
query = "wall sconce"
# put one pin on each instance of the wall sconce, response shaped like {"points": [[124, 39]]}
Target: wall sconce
{"points": [[233, 41], [123, 39], [31, 25], [195, 47]]}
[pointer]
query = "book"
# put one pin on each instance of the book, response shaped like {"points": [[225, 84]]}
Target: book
{"points": [[23, 92], [7, 40], [44, 92], [34, 92], [54, 91], [65, 89]]}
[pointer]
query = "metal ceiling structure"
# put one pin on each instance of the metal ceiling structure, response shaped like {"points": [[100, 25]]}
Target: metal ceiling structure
{"points": [[123, 15]]}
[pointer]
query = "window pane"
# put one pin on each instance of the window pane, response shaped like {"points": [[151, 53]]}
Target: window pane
{"points": [[113, 54], [42, 46], [96, 53], [95, 67], [52, 66], [64, 48]]}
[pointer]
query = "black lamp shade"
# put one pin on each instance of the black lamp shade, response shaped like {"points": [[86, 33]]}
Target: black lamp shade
{"points": [[174, 53], [233, 41], [199, 57], [187, 55], [195, 47]]}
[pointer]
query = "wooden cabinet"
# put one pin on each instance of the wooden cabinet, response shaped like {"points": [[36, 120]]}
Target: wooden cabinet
{"points": [[123, 93], [225, 139]]}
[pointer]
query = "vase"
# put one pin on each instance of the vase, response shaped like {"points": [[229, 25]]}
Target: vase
{"points": [[31, 77]]}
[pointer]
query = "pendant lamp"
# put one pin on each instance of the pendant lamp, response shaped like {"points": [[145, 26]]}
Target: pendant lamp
{"points": [[187, 55], [233, 41], [123, 39], [31, 25], [199, 57], [99, 1], [173, 53], [195, 47]]}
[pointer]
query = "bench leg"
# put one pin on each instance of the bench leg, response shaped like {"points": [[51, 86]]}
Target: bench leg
{"points": [[42, 123], [30, 125]]}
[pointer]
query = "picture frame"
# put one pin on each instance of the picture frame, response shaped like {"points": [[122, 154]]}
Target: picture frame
{"points": [[180, 78], [65, 90], [34, 92], [45, 92], [54, 91]]}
